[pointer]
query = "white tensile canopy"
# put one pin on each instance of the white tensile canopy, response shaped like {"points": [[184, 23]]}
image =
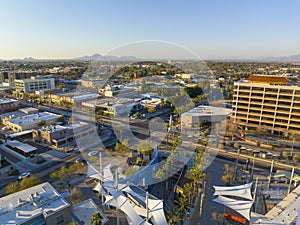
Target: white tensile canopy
{"points": [[243, 191], [115, 197], [241, 207]]}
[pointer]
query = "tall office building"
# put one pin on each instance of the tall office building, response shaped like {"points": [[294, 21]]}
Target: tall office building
{"points": [[270, 102]]}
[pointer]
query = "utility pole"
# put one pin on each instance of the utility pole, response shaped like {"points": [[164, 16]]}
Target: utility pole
{"points": [[291, 180], [271, 171]]}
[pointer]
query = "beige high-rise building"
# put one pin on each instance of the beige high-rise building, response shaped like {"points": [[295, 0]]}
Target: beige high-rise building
{"points": [[267, 102]]}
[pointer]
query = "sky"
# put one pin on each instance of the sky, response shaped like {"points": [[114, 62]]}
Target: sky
{"points": [[210, 28]]}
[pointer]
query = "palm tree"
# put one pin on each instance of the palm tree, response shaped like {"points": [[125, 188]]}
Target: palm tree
{"points": [[183, 206], [196, 175], [174, 217], [189, 190], [96, 219]]}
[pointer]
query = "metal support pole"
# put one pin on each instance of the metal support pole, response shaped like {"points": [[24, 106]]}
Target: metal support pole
{"points": [[291, 180], [271, 171], [254, 194], [147, 206]]}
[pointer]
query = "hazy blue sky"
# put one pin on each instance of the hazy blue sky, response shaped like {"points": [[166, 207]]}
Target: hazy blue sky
{"points": [[211, 28]]}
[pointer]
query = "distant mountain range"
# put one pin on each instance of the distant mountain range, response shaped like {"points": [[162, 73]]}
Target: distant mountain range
{"points": [[98, 57]]}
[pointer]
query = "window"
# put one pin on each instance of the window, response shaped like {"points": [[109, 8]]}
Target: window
{"points": [[60, 219]]}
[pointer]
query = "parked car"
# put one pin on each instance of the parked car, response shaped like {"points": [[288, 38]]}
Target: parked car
{"points": [[80, 160], [23, 175], [93, 153]]}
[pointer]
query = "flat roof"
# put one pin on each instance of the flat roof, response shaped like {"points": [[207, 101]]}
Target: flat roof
{"points": [[7, 100], [268, 79], [22, 146], [33, 118], [83, 211], [41, 199], [204, 110]]}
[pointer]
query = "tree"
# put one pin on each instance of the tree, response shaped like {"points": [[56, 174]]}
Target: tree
{"points": [[61, 118], [236, 145], [228, 174], [151, 110], [174, 216], [296, 157], [131, 170], [183, 206], [189, 191], [285, 155], [96, 219], [145, 148], [41, 123], [11, 187], [60, 174], [28, 182], [122, 147], [76, 195]]}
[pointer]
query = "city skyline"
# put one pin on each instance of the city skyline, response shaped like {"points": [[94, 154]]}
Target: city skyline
{"points": [[214, 29]]}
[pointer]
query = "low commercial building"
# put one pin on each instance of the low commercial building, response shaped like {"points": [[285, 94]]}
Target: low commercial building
{"points": [[60, 135], [73, 97], [31, 121], [22, 149], [34, 84], [40, 204], [8, 105], [113, 106], [14, 114], [211, 114]]}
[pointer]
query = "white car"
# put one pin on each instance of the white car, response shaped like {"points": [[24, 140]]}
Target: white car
{"points": [[23, 175], [93, 153]]}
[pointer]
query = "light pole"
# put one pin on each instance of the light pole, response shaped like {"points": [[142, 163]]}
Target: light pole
{"points": [[237, 162], [252, 169], [271, 171], [291, 180]]}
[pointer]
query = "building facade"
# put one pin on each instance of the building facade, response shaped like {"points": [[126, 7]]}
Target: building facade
{"points": [[8, 105], [267, 102], [34, 84]]}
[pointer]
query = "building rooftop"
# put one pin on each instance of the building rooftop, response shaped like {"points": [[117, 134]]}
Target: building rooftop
{"points": [[22, 146], [50, 129], [7, 100], [34, 118], [268, 79], [41, 199], [83, 211], [204, 110]]}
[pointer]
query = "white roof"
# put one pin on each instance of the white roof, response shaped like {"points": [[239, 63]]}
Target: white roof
{"points": [[241, 207], [84, 211], [18, 207], [34, 118], [243, 191]]}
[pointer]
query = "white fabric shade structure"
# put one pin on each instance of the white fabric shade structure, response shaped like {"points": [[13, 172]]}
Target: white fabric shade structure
{"points": [[243, 207], [117, 195], [243, 191]]}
